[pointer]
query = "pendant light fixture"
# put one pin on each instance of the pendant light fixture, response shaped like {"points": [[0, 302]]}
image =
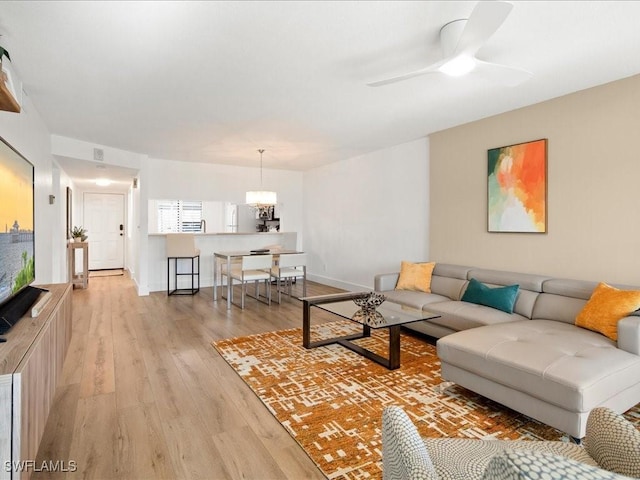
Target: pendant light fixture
{"points": [[261, 198]]}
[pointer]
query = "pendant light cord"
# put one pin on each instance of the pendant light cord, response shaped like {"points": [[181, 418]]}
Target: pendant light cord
{"points": [[261, 150]]}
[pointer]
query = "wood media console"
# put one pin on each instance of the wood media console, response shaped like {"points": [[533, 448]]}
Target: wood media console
{"points": [[31, 363]]}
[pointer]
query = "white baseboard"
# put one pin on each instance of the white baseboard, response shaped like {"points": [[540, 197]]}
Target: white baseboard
{"points": [[207, 281], [332, 282]]}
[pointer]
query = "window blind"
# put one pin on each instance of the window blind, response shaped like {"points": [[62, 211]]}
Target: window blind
{"points": [[175, 216]]}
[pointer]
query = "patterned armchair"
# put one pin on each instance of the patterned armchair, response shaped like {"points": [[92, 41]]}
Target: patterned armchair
{"points": [[611, 450]]}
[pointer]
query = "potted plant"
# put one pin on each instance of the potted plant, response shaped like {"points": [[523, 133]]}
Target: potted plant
{"points": [[79, 234]]}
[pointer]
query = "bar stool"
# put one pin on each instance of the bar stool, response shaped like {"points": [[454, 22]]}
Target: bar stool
{"points": [[290, 266], [182, 246]]}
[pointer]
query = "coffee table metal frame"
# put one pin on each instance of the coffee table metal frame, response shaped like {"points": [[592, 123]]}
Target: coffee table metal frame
{"points": [[323, 301]]}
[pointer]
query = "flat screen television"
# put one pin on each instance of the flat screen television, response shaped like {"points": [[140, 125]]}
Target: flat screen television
{"points": [[17, 242]]}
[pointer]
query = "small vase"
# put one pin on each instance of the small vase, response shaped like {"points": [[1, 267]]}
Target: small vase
{"points": [[77, 239]]}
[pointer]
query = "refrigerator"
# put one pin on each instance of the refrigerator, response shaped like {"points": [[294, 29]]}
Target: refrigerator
{"points": [[240, 219]]}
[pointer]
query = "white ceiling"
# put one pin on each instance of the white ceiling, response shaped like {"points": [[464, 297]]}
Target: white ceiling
{"points": [[85, 174], [215, 81]]}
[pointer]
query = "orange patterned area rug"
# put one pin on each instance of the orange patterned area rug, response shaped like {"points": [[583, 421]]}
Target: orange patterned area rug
{"points": [[331, 399]]}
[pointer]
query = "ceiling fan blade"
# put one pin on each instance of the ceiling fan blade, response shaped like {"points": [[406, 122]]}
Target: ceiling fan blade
{"points": [[423, 71], [485, 19], [502, 74]]}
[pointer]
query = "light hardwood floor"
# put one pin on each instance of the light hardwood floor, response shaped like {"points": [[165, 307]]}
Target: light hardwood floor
{"points": [[144, 395]]}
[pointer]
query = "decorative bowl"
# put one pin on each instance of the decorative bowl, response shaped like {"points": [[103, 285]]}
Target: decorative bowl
{"points": [[370, 301], [369, 317]]}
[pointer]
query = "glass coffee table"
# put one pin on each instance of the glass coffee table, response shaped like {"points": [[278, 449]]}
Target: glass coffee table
{"points": [[388, 315]]}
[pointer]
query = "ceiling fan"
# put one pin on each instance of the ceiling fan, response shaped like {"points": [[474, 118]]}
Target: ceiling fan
{"points": [[460, 41]]}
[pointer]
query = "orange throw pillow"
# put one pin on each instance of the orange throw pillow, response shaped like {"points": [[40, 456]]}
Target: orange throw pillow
{"points": [[606, 307], [415, 276]]}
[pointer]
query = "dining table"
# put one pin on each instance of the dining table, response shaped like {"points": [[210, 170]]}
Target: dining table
{"points": [[229, 256]]}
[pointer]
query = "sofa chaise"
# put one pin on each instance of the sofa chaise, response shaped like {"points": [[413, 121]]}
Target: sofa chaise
{"points": [[533, 359]]}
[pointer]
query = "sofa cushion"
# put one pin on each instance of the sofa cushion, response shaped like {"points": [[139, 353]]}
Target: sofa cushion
{"points": [[451, 288], [530, 286], [551, 306], [606, 307], [629, 333], [415, 276], [526, 281], [530, 465], [413, 299], [525, 302], [567, 366], [453, 271], [463, 315], [501, 298], [569, 288], [576, 288]]}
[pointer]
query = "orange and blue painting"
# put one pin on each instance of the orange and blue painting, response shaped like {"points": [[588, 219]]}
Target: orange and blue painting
{"points": [[517, 188]]}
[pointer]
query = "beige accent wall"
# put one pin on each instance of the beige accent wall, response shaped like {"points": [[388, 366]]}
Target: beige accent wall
{"points": [[593, 190]]}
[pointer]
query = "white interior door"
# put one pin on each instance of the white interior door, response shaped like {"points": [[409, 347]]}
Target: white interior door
{"points": [[104, 221]]}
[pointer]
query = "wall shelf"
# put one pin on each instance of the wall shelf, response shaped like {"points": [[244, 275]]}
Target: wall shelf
{"points": [[8, 102]]}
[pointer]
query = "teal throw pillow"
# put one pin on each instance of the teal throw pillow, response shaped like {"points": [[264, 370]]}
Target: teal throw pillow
{"points": [[501, 298]]}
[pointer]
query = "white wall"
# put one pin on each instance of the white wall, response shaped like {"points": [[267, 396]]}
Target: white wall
{"points": [[139, 244], [26, 132], [365, 215], [170, 179], [60, 226], [207, 244], [81, 150]]}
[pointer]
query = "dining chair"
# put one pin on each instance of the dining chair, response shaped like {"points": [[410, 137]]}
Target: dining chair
{"points": [[289, 267], [182, 246], [252, 268]]}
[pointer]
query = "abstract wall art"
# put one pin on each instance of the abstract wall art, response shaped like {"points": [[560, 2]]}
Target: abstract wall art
{"points": [[517, 188]]}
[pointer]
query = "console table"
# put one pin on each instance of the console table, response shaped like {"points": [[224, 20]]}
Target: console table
{"points": [[79, 278], [31, 363]]}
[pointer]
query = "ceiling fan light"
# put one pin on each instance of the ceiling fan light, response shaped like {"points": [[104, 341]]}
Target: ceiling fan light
{"points": [[458, 66]]}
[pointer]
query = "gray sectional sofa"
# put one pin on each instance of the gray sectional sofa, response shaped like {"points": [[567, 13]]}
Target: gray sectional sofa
{"points": [[534, 360]]}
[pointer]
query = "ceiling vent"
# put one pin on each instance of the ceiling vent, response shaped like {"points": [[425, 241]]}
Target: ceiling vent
{"points": [[98, 154]]}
